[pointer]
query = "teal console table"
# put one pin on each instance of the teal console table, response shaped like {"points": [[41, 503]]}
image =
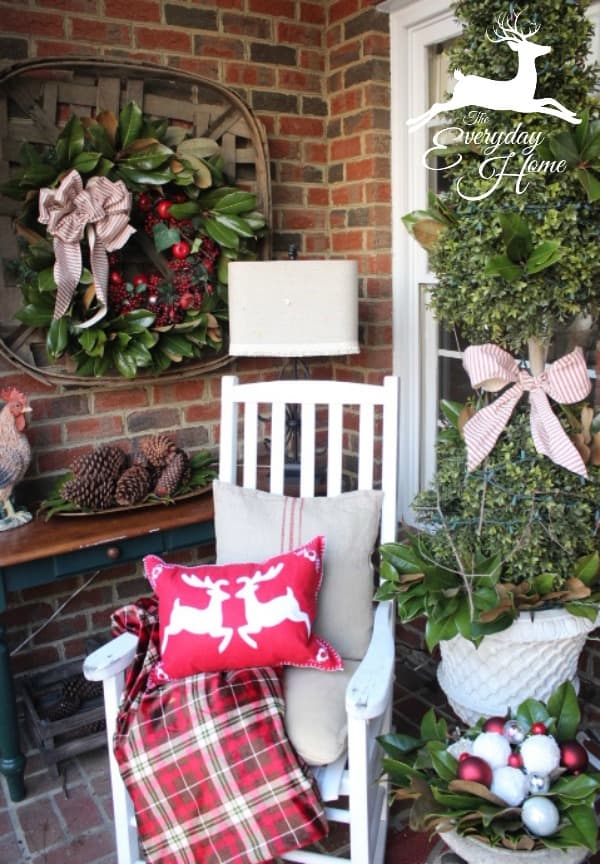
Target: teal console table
{"points": [[42, 552]]}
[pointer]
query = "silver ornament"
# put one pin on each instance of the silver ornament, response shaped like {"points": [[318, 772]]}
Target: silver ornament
{"points": [[514, 732], [540, 816], [538, 783]]}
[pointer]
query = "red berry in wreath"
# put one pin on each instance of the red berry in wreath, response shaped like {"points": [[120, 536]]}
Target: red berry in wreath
{"points": [[116, 277], [186, 300], [163, 208], [139, 279], [538, 729], [181, 249], [144, 201]]}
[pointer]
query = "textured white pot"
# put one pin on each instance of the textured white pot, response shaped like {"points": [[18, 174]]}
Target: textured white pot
{"points": [[475, 852], [527, 660]]}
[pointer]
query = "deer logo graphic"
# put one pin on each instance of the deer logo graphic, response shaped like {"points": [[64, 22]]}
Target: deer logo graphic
{"points": [[516, 94], [208, 621], [271, 612]]}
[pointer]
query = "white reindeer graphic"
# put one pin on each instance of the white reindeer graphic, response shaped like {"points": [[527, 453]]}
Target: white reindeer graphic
{"points": [[207, 621], [516, 94], [270, 613]]}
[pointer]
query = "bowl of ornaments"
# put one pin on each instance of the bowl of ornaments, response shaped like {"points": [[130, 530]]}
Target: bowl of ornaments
{"points": [[520, 788]]}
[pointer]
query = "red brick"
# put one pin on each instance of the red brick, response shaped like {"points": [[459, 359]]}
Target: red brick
{"points": [[376, 44], [304, 219], [345, 148], [299, 34], [318, 197], [164, 38], [250, 75], [218, 46], [119, 399], [25, 21], [342, 9], [287, 194], [203, 412], [345, 194], [315, 152], [30, 661], [363, 169], [273, 8], [98, 31], [313, 60], [345, 241], [295, 79], [140, 10], [301, 126], [180, 391], [281, 148], [93, 428], [88, 6], [312, 13], [316, 244], [348, 100], [206, 68]]}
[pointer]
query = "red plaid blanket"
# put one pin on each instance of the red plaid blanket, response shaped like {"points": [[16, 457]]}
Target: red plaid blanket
{"points": [[207, 761]]}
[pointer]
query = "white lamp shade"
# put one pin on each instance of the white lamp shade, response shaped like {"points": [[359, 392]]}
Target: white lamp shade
{"points": [[293, 308]]}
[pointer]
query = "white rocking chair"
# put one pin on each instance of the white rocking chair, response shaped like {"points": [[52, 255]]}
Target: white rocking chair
{"points": [[351, 786]]}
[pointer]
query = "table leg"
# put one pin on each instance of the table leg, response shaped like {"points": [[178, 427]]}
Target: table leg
{"points": [[12, 761]]}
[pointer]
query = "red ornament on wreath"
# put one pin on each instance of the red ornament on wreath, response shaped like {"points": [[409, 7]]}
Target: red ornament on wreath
{"points": [[538, 729], [475, 770], [573, 757], [163, 208]]}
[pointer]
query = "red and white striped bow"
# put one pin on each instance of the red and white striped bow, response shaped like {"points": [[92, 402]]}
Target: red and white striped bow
{"points": [[102, 211], [491, 368]]}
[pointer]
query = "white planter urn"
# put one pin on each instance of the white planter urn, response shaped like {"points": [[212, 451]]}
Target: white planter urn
{"points": [[476, 852], [527, 660]]}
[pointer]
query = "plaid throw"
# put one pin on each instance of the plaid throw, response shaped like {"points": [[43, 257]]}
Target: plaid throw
{"points": [[207, 761]]}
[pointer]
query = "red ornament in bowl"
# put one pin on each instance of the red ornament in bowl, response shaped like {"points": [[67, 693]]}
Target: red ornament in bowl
{"points": [[573, 757], [515, 760], [475, 770], [495, 724]]}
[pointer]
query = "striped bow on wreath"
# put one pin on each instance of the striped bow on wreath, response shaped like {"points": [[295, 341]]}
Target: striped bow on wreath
{"points": [[566, 381], [101, 210]]}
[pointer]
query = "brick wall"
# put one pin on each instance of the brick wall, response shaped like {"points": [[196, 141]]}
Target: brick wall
{"points": [[317, 76]]}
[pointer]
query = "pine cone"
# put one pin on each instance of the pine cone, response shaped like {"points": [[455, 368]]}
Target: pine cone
{"points": [[187, 468], [158, 449], [107, 461], [94, 492], [132, 486], [170, 477], [142, 460]]}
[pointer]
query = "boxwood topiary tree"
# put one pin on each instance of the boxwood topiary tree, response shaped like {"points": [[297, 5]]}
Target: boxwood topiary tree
{"points": [[515, 250]]}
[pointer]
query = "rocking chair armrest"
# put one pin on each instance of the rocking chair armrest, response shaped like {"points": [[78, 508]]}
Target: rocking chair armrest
{"points": [[110, 659], [369, 690]]}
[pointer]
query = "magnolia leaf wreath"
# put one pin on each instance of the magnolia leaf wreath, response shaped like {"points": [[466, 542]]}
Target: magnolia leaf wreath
{"points": [[126, 231]]}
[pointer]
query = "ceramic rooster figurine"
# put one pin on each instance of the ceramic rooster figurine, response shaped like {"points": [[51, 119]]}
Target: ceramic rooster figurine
{"points": [[15, 454]]}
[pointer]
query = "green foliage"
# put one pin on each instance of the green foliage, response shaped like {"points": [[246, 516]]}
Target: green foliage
{"points": [[558, 209], [424, 770], [518, 533]]}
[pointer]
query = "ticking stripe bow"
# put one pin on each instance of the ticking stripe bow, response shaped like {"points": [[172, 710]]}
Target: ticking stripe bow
{"points": [[102, 211], [491, 368]]}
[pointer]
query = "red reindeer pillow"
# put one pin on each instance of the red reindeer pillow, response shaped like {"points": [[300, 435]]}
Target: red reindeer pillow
{"points": [[237, 615]]}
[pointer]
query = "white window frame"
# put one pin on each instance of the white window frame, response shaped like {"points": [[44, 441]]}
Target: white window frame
{"points": [[415, 26]]}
